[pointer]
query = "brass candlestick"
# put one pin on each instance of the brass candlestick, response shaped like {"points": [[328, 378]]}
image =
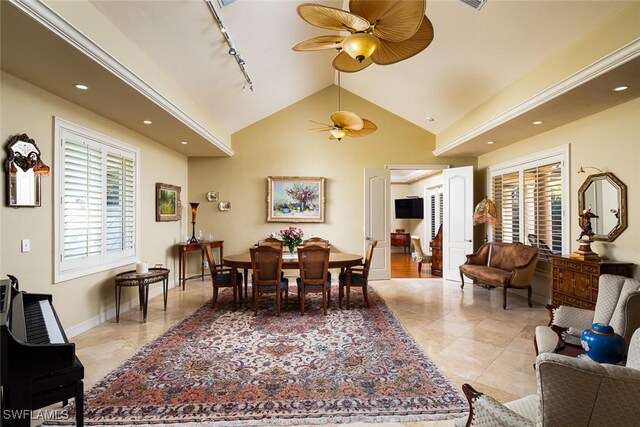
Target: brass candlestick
{"points": [[194, 208]]}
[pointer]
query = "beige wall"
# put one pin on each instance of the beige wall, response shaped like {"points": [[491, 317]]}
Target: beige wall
{"points": [[28, 109], [281, 145], [607, 140], [91, 22], [619, 31], [399, 191]]}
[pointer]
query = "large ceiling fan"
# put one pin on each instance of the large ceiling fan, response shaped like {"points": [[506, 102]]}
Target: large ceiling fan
{"points": [[384, 32], [346, 123]]}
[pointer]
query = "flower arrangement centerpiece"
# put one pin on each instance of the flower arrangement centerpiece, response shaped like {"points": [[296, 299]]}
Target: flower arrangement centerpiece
{"points": [[291, 237]]}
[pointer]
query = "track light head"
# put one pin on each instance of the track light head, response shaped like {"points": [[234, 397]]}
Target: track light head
{"points": [[232, 51]]}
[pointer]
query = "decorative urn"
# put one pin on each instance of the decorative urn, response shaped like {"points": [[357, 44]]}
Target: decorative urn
{"points": [[602, 344]]}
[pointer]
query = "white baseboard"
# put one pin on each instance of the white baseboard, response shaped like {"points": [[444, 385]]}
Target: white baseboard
{"points": [[103, 317]]}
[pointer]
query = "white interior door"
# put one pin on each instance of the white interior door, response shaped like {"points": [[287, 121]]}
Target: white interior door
{"points": [[377, 224], [457, 228]]}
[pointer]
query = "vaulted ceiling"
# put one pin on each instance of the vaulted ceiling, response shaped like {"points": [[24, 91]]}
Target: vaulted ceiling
{"points": [[475, 54]]}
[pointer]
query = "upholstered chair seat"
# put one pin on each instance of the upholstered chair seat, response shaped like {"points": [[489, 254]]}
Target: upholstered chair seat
{"points": [[356, 278], [222, 277], [418, 255], [618, 305], [571, 392]]}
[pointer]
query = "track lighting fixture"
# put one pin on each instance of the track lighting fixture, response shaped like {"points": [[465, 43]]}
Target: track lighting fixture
{"points": [[232, 49]]}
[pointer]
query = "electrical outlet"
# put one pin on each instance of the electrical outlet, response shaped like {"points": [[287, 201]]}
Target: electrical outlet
{"points": [[205, 264], [26, 245]]}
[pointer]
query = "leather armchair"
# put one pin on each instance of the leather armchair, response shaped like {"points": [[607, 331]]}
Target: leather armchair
{"points": [[571, 392], [618, 305]]}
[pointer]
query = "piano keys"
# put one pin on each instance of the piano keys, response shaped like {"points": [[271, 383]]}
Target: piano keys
{"points": [[38, 365]]}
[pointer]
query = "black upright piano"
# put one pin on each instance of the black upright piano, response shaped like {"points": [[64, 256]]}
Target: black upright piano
{"points": [[38, 364]]}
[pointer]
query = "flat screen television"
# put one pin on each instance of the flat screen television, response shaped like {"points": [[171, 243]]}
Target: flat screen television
{"points": [[410, 208]]}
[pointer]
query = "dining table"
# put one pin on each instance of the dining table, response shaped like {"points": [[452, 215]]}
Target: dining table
{"points": [[289, 262]]}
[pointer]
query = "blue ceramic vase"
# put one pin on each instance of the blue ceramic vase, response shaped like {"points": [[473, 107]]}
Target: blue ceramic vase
{"points": [[602, 344]]}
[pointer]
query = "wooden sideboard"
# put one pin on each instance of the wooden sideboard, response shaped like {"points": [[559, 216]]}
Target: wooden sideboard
{"points": [[402, 240], [575, 282]]}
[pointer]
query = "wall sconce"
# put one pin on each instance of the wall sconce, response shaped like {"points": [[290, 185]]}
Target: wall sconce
{"points": [[24, 167], [581, 170]]}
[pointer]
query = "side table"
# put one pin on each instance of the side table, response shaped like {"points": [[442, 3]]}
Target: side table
{"points": [[142, 281], [184, 248]]}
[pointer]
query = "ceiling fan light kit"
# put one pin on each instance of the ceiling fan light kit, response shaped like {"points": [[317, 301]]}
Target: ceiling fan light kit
{"points": [[360, 46], [382, 32]]}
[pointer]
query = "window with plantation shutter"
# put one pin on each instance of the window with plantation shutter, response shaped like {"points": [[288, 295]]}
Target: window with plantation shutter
{"points": [[506, 196], [543, 208], [528, 197], [435, 211], [96, 189]]}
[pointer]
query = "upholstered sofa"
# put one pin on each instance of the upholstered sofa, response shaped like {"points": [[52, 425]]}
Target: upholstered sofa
{"points": [[509, 265]]}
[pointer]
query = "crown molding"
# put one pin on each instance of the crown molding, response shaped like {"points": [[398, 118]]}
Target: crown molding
{"points": [[603, 65], [63, 29]]}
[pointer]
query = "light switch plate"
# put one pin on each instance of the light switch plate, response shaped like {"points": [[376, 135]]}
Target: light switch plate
{"points": [[26, 245]]}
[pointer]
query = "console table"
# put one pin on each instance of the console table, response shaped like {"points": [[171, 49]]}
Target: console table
{"points": [[402, 240], [184, 248], [142, 281], [575, 282]]}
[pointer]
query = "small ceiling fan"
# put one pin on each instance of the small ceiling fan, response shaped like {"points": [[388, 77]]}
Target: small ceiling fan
{"points": [[382, 32], [346, 123]]}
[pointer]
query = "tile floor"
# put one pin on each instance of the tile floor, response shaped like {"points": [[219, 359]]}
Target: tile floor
{"points": [[466, 333]]}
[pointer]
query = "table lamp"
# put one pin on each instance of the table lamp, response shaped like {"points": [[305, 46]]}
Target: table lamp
{"points": [[194, 209], [485, 213]]}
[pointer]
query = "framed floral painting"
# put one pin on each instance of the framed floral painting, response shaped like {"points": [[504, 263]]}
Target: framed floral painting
{"points": [[168, 206], [295, 199]]}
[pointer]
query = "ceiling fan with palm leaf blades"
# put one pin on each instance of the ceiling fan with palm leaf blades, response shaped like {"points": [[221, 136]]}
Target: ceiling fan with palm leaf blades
{"points": [[382, 32], [346, 123]]}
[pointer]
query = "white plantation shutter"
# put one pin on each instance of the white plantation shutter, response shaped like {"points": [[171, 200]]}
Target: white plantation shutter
{"points": [[506, 195], [528, 197], [543, 206], [82, 200], [120, 229], [97, 179]]}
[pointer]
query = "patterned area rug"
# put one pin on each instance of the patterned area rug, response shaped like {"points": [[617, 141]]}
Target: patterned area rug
{"points": [[229, 368]]}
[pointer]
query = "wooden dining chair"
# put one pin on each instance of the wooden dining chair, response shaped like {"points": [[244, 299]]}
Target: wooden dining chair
{"points": [[317, 241], [222, 277], [266, 262], [271, 241], [313, 261], [356, 276]]}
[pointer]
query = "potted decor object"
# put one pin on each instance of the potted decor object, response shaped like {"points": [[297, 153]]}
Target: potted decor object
{"points": [[602, 344]]}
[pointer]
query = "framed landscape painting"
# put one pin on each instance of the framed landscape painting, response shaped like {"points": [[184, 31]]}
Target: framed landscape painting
{"points": [[295, 199], [168, 206]]}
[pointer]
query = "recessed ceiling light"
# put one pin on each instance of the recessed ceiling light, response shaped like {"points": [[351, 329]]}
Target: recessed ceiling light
{"points": [[81, 86], [490, 142], [620, 88], [537, 122], [183, 142], [147, 122], [430, 119]]}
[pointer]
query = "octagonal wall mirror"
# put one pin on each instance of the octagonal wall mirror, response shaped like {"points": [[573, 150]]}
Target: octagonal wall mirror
{"points": [[24, 169], [607, 197]]}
